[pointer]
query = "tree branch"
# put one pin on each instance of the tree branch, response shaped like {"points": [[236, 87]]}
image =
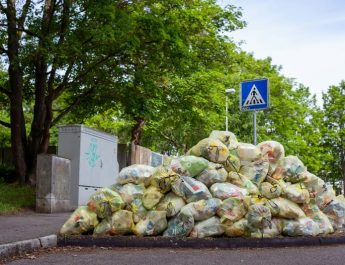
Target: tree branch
{"points": [[25, 11], [6, 124]]}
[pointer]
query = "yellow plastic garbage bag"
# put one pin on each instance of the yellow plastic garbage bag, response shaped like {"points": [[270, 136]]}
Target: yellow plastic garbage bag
{"points": [[211, 149], [121, 223], [82, 220], [290, 169], [260, 200], [226, 190], [207, 228], [288, 209], [203, 209], [136, 174], [180, 225], [325, 196], [312, 211], [104, 202], [259, 216], [273, 151], [256, 171], [171, 203], [238, 229], [313, 183], [214, 173], [270, 191], [248, 153], [232, 163], [162, 178], [335, 212], [232, 210], [102, 228], [129, 192], [188, 165], [151, 197], [154, 223], [297, 193], [138, 210], [301, 227], [272, 231], [243, 182], [226, 137], [190, 189]]}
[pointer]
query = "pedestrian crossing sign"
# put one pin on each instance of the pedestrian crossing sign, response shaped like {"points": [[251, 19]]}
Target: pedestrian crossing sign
{"points": [[254, 95]]}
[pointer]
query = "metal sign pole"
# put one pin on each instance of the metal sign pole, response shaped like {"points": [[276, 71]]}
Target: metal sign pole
{"points": [[226, 113], [254, 121]]}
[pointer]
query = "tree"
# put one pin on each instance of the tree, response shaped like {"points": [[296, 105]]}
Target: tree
{"points": [[334, 132]]}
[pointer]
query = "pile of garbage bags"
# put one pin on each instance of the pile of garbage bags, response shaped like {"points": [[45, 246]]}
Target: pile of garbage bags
{"points": [[220, 187]]}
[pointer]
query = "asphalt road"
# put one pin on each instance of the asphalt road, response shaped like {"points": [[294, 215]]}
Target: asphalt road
{"points": [[274, 256]]}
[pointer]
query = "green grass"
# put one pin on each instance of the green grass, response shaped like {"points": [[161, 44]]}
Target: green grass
{"points": [[15, 198]]}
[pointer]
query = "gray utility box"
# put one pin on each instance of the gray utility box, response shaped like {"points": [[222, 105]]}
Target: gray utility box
{"points": [[53, 184], [93, 156]]}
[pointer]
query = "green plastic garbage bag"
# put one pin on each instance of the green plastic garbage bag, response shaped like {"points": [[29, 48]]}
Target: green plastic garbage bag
{"points": [[211, 149], [335, 212], [287, 208], [297, 193], [154, 223], [190, 189], [136, 174], [138, 210], [226, 190], [232, 210], [162, 178], [121, 223], [259, 216], [270, 191], [104, 202], [189, 165], [256, 171], [232, 163], [238, 229], [82, 220], [129, 192], [301, 227], [248, 153], [103, 228], [151, 197], [214, 173], [203, 209], [273, 151], [243, 182], [290, 169], [312, 211], [226, 137], [171, 203], [180, 225], [207, 228]]}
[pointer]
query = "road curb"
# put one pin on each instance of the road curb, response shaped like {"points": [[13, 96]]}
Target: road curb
{"points": [[222, 242], [25, 246]]}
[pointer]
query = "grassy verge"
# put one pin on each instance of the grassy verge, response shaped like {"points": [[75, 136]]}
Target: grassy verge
{"points": [[15, 198]]}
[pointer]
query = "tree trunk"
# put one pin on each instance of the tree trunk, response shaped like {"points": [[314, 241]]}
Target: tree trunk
{"points": [[137, 131]]}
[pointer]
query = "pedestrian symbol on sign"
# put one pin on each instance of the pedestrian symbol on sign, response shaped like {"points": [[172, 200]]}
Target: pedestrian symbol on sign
{"points": [[254, 98]]}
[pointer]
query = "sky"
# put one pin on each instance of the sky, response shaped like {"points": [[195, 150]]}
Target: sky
{"points": [[305, 37]]}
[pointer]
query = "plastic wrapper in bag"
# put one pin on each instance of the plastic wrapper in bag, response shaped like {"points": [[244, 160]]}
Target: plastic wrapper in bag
{"points": [[301, 227], [136, 174], [226, 137], [259, 216], [180, 225], [104, 202], [288, 209], [102, 228], [297, 193], [232, 210], [226, 190], [208, 227], [270, 191], [190, 189], [138, 210], [188, 165], [82, 220], [335, 212], [121, 223], [171, 203], [154, 223], [163, 178], [211, 149], [129, 192], [238, 229], [243, 182], [325, 196], [312, 211], [151, 197], [202, 209], [256, 171], [274, 230], [232, 163], [273, 151], [248, 153], [214, 173], [290, 169]]}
